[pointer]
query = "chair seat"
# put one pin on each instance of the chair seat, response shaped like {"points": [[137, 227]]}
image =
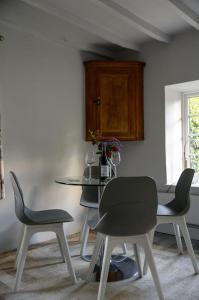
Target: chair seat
{"points": [[164, 210], [47, 216]]}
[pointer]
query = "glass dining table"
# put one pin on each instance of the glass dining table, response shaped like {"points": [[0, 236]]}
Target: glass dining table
{"points": [[122, 267], [84, 181]]}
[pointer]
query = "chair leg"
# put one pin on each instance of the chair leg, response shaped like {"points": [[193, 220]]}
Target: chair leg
{"points": [[66, 253], [95, 255], [185, 232], [124, 248], [146, 243], [22, 257], [178, 238], [82, 234], [138, 259], [84, 240], [105, 267], [60, 248], [151, 237], [19, 245]]}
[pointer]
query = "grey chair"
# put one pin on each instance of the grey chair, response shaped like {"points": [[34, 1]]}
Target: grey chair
{"points": [[90, 200], [174, 212], [127, 213], [38, 221]]}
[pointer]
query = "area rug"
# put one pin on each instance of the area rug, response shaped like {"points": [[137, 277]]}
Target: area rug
{"points": [[46, 278]]}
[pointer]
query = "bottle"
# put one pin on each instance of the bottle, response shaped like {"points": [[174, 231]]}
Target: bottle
{"points": [[103, 164]]}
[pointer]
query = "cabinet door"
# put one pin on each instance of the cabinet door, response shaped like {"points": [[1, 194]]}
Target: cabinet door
{"points": [[115, 90], [114, 100]]}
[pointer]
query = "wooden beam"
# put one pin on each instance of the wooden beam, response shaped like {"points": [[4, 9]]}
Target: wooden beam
{"points": [[62, 43], [90, 27], [186, 13], [134, 20]]}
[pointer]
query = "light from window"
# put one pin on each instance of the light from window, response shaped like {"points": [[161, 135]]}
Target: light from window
{"points": [[191, 131]]}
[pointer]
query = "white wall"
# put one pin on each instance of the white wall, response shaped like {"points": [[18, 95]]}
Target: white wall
{"points": [[42, 106]]}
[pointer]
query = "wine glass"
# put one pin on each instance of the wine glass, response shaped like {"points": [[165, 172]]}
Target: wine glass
{"points": [[115, 160], [90, 160]]}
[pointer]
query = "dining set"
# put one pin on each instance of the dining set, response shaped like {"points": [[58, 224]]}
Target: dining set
{"points": [[122, 211]]}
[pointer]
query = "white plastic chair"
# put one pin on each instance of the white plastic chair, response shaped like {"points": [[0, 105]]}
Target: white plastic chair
{"points": [[174, 212], [127, 214]]}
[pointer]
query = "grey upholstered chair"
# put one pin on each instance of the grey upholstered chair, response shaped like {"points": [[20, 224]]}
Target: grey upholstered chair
{"points": [[127, 213], [174, 212], [38, 221]]}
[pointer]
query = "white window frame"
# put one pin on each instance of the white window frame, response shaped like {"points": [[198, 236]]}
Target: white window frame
{"points": [[185, 126]]}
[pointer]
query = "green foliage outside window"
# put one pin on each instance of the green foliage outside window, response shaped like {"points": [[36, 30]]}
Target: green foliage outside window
{"points": [[193, 111]]}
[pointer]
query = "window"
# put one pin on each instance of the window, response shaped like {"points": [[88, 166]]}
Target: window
{"points": [[190, 122], [182, 129]]}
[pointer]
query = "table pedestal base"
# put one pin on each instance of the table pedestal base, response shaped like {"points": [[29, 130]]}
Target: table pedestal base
{"points": [[121, 268], [87, 257]]}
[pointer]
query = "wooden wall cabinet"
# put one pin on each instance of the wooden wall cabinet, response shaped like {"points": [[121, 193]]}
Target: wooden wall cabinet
{"points": [[114, 99]]}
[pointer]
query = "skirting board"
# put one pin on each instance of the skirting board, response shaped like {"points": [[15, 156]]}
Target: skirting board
{"points": [[168, 228]]}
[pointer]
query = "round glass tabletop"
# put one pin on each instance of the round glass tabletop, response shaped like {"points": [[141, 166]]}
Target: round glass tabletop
{"points": [[82, 181]]}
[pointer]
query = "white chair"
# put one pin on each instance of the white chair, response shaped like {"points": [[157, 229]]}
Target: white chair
{"points": [[174, 212], [38, 221], [127, 213]]}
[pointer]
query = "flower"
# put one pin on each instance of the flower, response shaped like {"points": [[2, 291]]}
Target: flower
{"points": [[112, 144], [94, 136]]}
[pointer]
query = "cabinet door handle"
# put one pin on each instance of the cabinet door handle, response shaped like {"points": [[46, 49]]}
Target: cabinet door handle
{"points": [[97, 100]]}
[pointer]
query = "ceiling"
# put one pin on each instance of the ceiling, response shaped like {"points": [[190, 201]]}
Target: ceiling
{"points": [[101, 26]]}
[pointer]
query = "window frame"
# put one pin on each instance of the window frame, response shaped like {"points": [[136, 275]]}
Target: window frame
{"points": [[185, 126]]}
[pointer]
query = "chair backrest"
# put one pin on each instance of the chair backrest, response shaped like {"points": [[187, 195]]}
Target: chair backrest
{"points": [[181, 202], [90, 193], [128, 206], [18, 195]]}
